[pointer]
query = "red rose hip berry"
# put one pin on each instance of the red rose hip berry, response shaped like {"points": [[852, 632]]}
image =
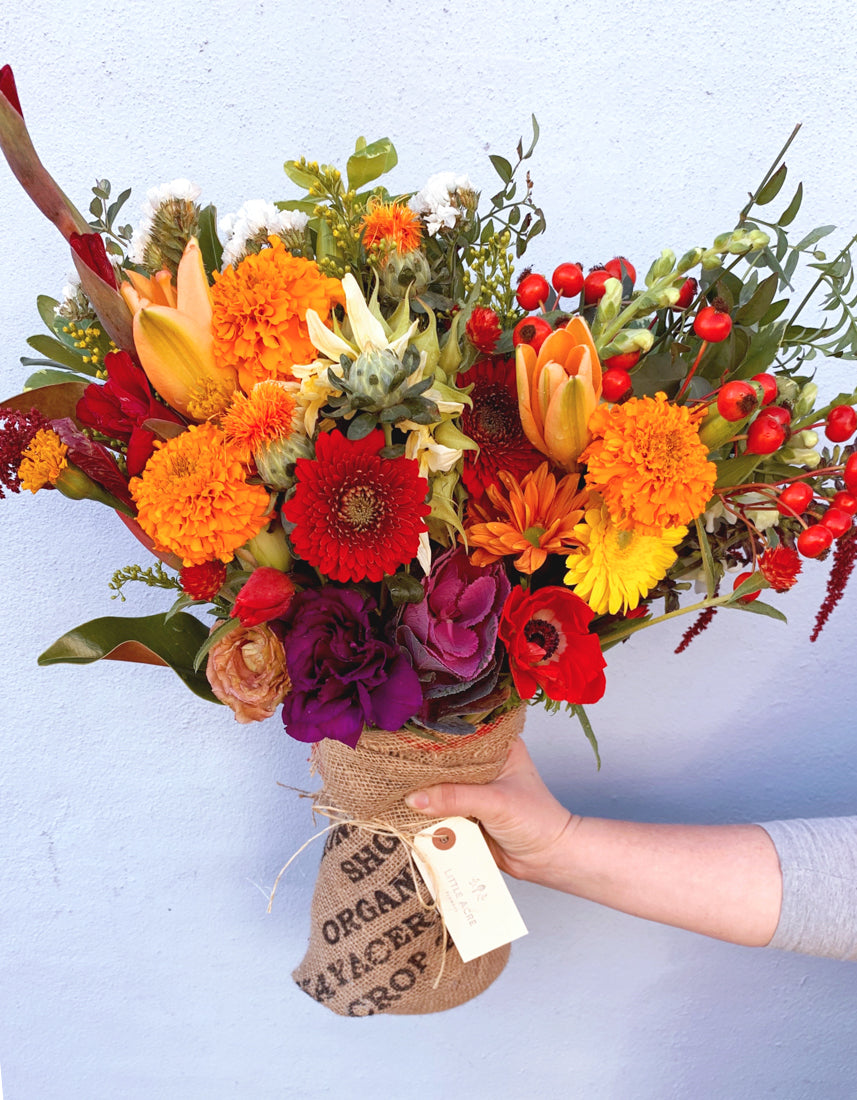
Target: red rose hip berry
{"points": [[616, 384], [769, 387], [712, 324], [795, 499], [748, 597], [764, 436], [625, 361], [531, 330], [736, 400], [838, 521], [841, 423], [850, 474], [686, 294], [532, 291], [568, 280], [594, 285], [616, 265], [846, 501], [814, 540]]}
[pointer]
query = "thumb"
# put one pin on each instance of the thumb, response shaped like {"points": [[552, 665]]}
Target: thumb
{"points": [[456, 800]]}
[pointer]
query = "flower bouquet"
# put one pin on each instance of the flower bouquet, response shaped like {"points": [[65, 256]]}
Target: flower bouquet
{"points": [[413, 490]]}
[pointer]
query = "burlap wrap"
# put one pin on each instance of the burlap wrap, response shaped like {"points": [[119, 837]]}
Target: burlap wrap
{"points": [[373, 946]]}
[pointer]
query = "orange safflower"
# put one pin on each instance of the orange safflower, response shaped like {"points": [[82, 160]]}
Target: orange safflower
{"points": [[193, 498], [260, 309], [391, 224], [258, 418], [536, 517], [648, 464]]}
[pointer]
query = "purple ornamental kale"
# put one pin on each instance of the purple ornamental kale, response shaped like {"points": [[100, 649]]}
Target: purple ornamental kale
{"points": [[343, 676]]}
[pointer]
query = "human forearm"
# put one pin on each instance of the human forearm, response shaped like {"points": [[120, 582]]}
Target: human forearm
{"points": [[721, 881]]}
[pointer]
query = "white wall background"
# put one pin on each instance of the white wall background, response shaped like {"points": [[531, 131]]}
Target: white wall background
{"points": [[137, 823]]}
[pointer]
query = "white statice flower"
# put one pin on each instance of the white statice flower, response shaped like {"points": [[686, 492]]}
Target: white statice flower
{"points": [[70, 291], [254, 221], [181, 189], [756, 508], [444, 201]]}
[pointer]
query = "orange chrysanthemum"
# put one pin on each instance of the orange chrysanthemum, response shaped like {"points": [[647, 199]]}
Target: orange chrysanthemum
{"points": [[258, 418], [536, 518], [193, 498], [260, 308], [388, 223], [648, 464]]}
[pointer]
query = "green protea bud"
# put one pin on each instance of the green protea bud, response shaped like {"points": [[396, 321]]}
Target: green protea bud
{"points": [[276, 461], [376, 379]]}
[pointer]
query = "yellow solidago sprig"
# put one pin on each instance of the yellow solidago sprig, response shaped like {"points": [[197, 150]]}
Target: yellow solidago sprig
{"points": [[194, 500], [613, 569]]}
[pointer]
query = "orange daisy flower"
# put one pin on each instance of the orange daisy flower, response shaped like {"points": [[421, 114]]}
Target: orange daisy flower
{"points": [[391, 224], [259, 418], [260, 307], [535, 518], [193, 498], [648, 464]]}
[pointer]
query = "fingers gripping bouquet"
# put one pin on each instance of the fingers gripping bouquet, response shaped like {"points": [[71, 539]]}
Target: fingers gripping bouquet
{"points": [[411, 489]]}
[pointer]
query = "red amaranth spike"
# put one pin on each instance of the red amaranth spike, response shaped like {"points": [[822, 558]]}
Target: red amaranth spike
{"points": [[844, 560]]}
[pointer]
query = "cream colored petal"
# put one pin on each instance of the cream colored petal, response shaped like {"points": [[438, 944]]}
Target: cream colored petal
{"points": [[327, 342], [367, 329]]}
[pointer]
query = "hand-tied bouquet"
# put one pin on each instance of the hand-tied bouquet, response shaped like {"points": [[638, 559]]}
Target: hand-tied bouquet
{"points": [[414, 490]]}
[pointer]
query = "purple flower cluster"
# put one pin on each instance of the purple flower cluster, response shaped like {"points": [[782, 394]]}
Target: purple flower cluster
{"points": [[343, 676]]}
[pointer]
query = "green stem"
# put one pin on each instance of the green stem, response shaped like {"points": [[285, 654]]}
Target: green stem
{"points": [[820, 280], [628, 629], [752, 200]]}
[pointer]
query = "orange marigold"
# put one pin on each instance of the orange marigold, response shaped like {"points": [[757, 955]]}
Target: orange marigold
{"points": [[536, 517], [648, 464], [260, 307], [392, 224], [42, 461], [259, 417], [193, 498]]}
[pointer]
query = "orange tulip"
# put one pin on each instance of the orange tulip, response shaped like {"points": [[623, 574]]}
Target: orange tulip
{"points": [[558, 390]]}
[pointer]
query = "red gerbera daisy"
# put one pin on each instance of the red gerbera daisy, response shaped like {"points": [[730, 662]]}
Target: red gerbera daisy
{"points": [[495, 424], [357, 516], [780, 567]]}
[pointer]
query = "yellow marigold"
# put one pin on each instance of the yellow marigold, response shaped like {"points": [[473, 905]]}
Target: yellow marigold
{"points": [[392, 224], [42, 461], [260, 307], [614, 569], [648, 464], [536, 518], [259, 418], [193, 498]]}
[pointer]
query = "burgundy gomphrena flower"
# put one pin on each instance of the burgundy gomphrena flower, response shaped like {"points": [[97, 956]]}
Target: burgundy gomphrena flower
{"points": [[203, 582], [844, 560], [780, 567], [17, 431], [483, 329]]}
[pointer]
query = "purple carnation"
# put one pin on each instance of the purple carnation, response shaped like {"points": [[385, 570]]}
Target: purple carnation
{"points": [[343, 676], [451, 634]]}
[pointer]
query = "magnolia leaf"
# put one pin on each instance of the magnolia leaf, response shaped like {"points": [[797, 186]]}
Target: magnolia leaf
{"points": [[53, 402], [707, 559], [150, 639]]}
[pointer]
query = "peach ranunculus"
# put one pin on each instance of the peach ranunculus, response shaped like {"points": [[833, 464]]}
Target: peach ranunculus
{"points": [[247, 672]]}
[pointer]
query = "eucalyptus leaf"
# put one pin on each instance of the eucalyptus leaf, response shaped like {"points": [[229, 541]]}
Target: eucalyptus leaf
{"points": [[502, 167], [149, 639], [790, 212], [772, 188]]}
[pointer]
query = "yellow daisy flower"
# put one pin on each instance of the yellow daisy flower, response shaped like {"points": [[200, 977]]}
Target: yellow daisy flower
{"points": [[614, 569]]}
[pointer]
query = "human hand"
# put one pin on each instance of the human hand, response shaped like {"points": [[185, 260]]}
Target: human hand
{"points": [[525, 825]]}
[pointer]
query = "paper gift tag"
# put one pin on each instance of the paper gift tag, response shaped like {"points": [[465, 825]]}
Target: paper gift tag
{"points": [[466, 883]]}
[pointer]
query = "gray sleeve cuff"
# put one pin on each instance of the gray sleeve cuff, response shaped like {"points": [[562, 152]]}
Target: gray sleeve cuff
{"points": [[818, 858]]}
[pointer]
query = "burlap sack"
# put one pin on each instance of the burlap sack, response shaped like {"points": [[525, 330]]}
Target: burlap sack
{"points": [[373, 946]]}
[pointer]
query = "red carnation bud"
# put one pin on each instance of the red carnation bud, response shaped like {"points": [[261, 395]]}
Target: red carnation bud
{"points": [[8, 89], [90, 248], [265, 596]]}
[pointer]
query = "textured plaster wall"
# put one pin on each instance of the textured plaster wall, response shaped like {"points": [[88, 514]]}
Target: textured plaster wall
{"points": [[140, 828]]}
